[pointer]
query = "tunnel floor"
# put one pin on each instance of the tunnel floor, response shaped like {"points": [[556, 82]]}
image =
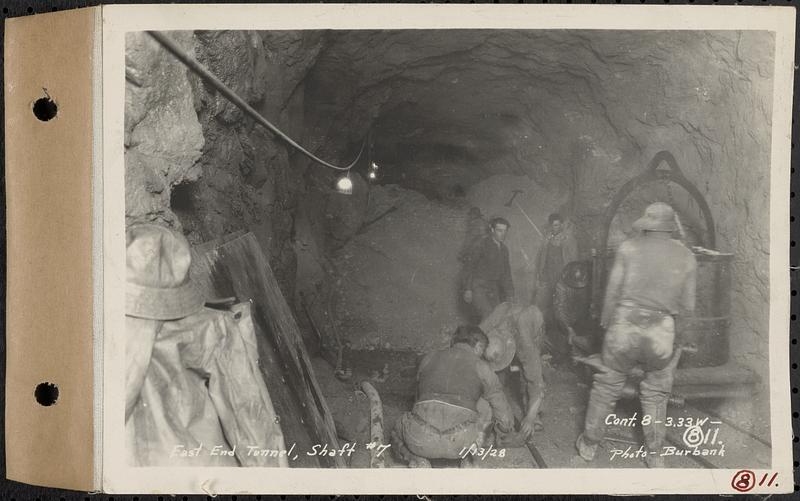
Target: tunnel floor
{"points": [[562, 417]]}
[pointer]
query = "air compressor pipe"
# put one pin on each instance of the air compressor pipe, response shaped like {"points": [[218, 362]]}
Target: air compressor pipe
{"points": [[240, 103]]}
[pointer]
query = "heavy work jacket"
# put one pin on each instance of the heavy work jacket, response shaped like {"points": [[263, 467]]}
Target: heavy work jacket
{"points": [[488, 262], [652, 273], [459, 377], [526, 326], [556, 252]]}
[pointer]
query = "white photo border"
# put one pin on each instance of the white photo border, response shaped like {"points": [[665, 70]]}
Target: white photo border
{"points": [[118, 477]]}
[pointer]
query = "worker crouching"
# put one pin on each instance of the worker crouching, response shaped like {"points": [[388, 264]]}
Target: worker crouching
{"points": [[652, 282], [458, 394]]}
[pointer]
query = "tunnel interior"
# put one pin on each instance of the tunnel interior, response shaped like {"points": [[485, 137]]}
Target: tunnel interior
{"points": [[453, 119]]}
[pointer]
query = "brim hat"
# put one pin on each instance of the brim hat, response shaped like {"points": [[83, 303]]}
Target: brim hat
{"points": [[157, 276], [502, 346], [657, 217]]}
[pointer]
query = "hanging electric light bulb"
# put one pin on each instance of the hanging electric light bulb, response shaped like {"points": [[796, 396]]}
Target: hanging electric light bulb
{"points": [[344, 184], [372, 173]]}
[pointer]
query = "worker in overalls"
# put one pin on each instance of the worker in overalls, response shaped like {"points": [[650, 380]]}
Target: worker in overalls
{"points": [[558, 249], [451, 412], [487, 271], [651, 283]]}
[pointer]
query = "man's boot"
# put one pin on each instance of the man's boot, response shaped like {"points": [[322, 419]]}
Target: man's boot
{"points": [[655, 431], [585, 449], [419, 462]]}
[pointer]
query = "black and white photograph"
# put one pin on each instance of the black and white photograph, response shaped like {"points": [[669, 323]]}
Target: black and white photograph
{"points": [[456, 248]]}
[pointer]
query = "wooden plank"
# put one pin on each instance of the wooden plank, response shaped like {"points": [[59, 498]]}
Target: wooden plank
{"points": [[287, 407], [199, 271], [286, 404], [239, 268], [325, 338]]}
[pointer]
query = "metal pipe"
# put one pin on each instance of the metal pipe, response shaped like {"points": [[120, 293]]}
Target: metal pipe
{"points": [[529, 219], [376, 425], [537, 456], [215, 82]]}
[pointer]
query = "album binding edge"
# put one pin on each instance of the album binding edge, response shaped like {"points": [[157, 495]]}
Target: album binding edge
{"points": [[51, 175]]}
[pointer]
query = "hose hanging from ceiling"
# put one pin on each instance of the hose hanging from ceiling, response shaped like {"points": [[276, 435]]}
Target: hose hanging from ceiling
{"points": [[223, 89]]}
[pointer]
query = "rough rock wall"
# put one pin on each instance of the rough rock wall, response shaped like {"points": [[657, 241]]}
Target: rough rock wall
{"points": [[163, 138], [396, 285], [576, 112], [707, 98], [194, 161]]}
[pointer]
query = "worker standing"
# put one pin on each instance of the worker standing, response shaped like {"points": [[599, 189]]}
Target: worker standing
{"points": [[559, 249], [651, 283], [487, 271]]}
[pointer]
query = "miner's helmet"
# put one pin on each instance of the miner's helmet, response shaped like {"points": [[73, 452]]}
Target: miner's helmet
{"points": [[576, 274]]}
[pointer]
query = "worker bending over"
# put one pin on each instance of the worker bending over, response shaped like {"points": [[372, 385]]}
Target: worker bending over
{"points": [[516, 332], [451, 412], [652, 281]]}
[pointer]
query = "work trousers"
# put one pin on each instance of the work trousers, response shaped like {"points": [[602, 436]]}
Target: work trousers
{"points": [[544, 297], [528, 337], [485, 297], [438, 430], [637, 337], [555, 341]]}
